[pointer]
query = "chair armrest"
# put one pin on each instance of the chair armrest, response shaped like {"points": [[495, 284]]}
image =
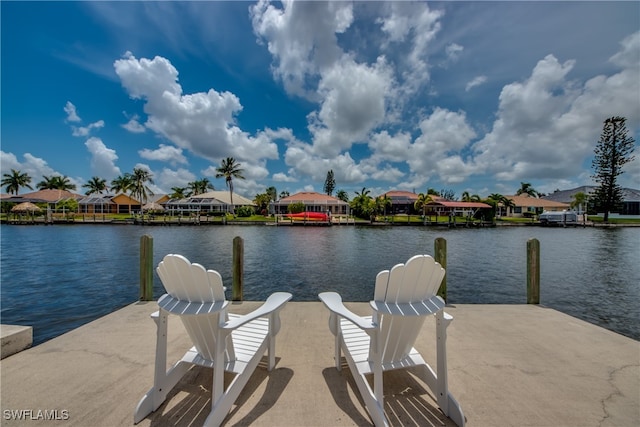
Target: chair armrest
{"points": [[275, 302], [333, 302]]}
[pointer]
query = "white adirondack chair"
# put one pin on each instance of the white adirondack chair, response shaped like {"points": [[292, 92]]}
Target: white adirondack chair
{"points": [[403, 298], [222, 341]]}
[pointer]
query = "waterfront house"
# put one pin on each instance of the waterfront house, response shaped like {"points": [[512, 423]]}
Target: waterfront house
{"points": [[313, 202], [94, 204], [52, 198], [630, 204], [443, 207], [211, 202], [402, 202], [527, 206]]}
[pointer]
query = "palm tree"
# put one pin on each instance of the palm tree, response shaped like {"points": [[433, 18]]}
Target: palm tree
{"points": [[15, 180], [139, 189], [121, 184], [178, 193], [199, 186], [55, 182], [466, 197], [580, 201], [342, 195], [96, 185], [284, 194], [381, 204], [361, 204], [262, 202], [229, 169], [422, 202], [526, 188], [496, 199]]}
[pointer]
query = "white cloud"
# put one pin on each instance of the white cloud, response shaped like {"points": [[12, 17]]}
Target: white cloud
{"points": [[283, 177], [629, 56], [165, 153], [203, 123], [102, 159], [33, 166], [70, 109], [134, 126], [301, 37], [476, 81], [415, 25], [444, 134], [169, 178], [453, 52], [86, 130], [386, 147], [353, 104], [548, 125]]}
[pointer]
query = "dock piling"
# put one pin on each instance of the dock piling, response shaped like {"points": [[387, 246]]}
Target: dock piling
{"points": [[533, 271], [146, 268], [238, 269], [440, 249]]}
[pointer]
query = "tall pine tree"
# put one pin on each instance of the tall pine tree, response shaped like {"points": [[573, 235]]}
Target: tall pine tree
{"points": [[329, 183], [613, 151]]}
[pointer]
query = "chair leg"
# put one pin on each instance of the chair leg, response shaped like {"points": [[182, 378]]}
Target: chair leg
{"points": [[221, 405], [441, 348], [334, 326], [163, 380], [374, 407]]}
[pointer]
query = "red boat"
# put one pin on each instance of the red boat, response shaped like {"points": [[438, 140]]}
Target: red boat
{"points": [[309, 216]]}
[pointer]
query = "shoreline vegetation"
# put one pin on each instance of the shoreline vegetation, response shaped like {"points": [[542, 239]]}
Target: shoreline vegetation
{"points": [[397, 220]]}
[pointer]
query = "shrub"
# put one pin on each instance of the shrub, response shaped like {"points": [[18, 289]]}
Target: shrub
{"points": [[296, 207], [244, 211]]}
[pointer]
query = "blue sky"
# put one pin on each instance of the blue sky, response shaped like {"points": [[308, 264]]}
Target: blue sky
{"points": [[462, 96]]}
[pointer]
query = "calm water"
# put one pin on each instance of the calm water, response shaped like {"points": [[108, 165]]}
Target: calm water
{"points": [[59, 277]]}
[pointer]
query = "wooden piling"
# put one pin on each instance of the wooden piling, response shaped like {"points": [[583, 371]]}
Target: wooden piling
{"points": [[146, 268], [238, 269], [533, 271], [440, 250]]}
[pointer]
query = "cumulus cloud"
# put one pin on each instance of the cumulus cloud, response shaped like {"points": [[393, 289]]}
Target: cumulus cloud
{"points": [[283, 177], [102, 159], [548, 125], [82, 131], [169, 178], [203, 123], [301, 37], [354, 98], [33, 166], [353, 104], [134, 125], [72, 115], [436, 151], [414, 25], [164, 153]]}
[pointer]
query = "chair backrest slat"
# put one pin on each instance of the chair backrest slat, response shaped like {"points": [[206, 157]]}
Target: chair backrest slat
{"points": [[415, 281], [192, 282]]}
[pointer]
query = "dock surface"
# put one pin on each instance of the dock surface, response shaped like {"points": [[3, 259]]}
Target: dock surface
{"points": [[509, 365]]}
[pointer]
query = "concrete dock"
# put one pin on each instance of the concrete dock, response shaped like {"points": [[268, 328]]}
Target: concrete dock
{"points": [[509, 365]]}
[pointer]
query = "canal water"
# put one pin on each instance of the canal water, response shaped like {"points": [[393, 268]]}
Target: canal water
{"points": [[59, 277]]}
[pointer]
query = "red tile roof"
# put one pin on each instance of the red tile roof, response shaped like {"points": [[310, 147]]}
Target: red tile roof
{"points": [[50, 196], [310, 197], [454, 204]]}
